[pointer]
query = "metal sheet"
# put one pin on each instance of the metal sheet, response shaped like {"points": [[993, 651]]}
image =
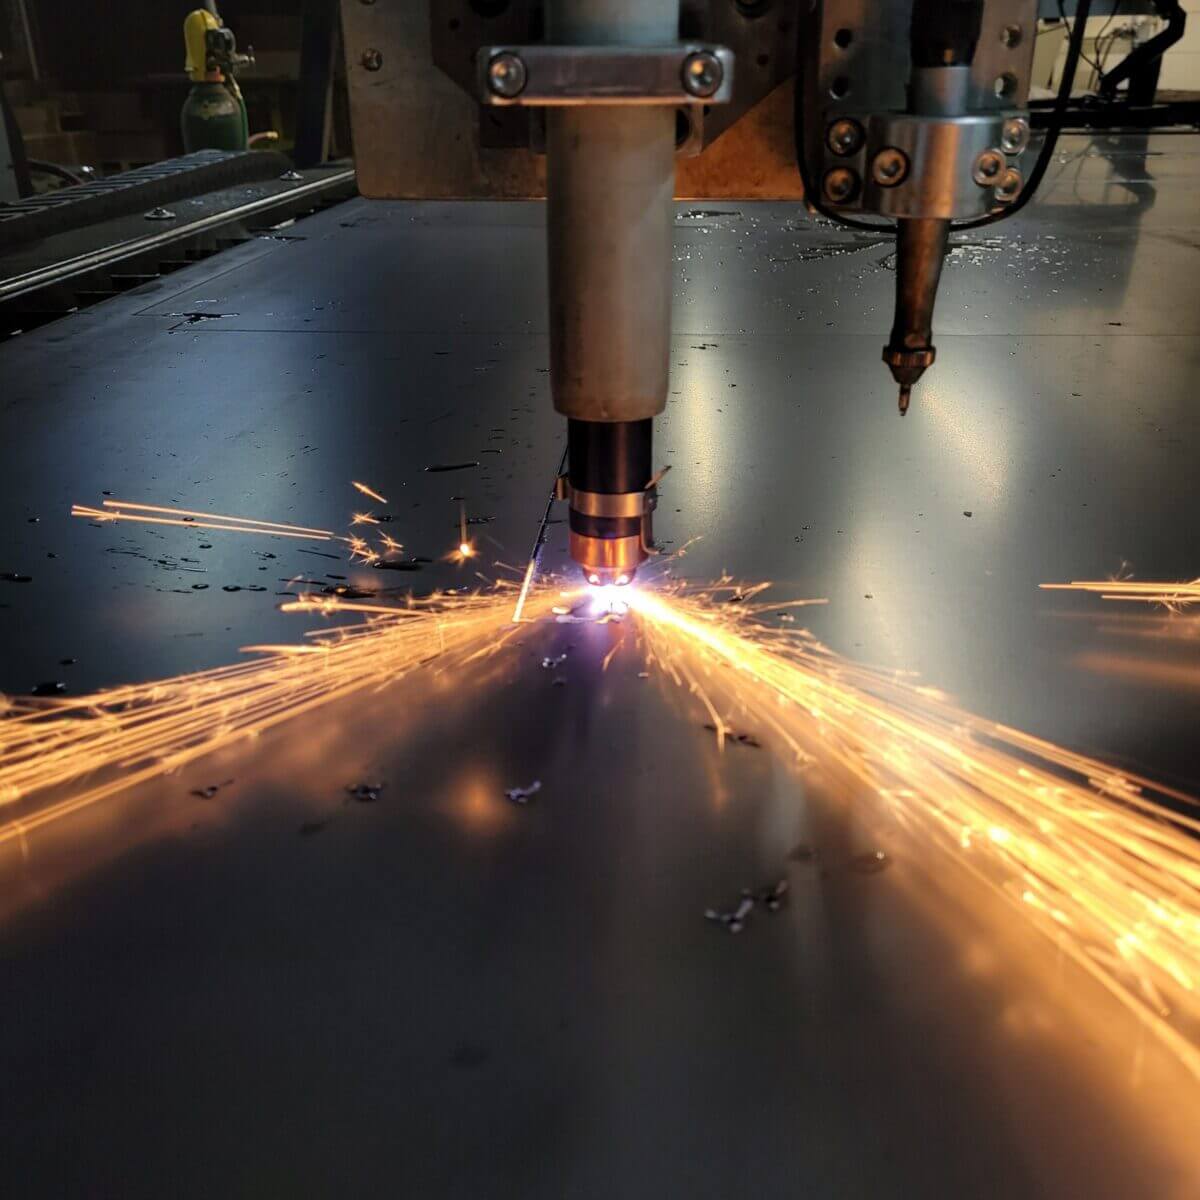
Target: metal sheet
{"points": [[443, 994]]}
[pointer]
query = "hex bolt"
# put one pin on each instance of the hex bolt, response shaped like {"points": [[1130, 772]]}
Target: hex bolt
{"points": [[1009, 186], [988, 168], [889, 167], [844, 137], [371, 59], [506, 74], [702, 73], [840, 185], [1014, 136]]}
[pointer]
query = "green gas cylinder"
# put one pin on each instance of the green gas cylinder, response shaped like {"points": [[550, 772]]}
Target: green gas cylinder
{"points": [[212, 119], [214, 113]]}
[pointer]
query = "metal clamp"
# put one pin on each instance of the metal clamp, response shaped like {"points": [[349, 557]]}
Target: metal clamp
{"points": [[610, 504], [539, 75], [605, 504], [941, 176]]}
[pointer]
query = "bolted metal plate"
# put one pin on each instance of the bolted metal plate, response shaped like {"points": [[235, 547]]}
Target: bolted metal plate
{"points": [[420, 133], [857, 66], [571, 75]]}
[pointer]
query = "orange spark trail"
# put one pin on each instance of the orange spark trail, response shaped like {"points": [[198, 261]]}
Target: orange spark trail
{"points": [[518, 614], [57, 757], [1104, 863], [125, 510], [366, 491], [465, 549], [1171, 595]]}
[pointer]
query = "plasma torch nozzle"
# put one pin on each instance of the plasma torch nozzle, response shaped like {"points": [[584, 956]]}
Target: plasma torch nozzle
{"points": [[920, 251], [943, 37], [609, 489]]}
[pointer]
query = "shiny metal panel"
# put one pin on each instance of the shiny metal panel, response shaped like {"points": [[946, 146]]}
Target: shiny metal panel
{"points": [[442, 994]]}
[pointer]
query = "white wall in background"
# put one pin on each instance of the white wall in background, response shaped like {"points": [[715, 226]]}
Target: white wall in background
{"points": [[1181, 64]]}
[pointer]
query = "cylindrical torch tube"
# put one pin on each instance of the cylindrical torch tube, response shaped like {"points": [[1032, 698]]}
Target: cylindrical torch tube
{"points": [[610, 186], [610, 181]]}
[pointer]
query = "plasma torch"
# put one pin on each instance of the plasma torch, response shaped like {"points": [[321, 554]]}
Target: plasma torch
{"points": [[610, 180]]}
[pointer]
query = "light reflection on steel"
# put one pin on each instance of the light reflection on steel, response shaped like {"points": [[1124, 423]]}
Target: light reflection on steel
{"points": [[1146, 671]]}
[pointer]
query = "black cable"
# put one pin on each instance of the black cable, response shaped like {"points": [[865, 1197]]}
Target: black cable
{"points": [[1116, 12], [1103, 30], [1059, 115], [812, 196], [1062, 102], [69, 177], [1091, 62], [1102, 57]]}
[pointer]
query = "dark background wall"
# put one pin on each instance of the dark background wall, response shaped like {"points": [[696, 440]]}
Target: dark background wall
{"points": [[89, 45], [110, 79]]}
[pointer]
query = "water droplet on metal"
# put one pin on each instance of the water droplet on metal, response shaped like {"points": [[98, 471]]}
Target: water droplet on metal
{"points": [[871, 863], [521, 795]]}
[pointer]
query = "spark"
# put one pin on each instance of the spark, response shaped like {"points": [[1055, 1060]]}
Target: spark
{"points": [[125, 510], [57, 757], [466, 548], [158, 514], [366, 491], [190, 512], [1175, 596], [1103, 862], [518, 614]]}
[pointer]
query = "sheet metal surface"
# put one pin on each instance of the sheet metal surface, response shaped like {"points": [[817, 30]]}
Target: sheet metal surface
{"points": [[443, 994]]}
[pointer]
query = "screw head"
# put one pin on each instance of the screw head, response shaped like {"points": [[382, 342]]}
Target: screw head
{"points": [[989, 166], [839, 185], [1014, 136], [702, 73], [889, 167], [506, 74], [160, 214], [1009, 186], [371, 59], [844, 137]]}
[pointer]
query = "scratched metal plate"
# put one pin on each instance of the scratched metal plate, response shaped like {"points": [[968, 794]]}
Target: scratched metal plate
{"points": [[443, 994]]}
